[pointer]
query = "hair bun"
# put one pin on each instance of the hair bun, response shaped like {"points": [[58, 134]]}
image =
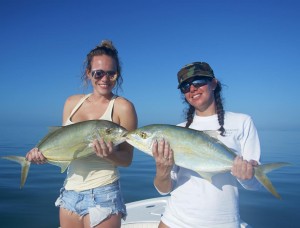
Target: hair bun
{"points": [[107, 44]]}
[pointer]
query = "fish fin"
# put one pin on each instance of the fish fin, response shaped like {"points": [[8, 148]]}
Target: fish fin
{"points": [[53, 128], [212, 133], [262, 170], [25, 165], [207, 176], [62, 164]]}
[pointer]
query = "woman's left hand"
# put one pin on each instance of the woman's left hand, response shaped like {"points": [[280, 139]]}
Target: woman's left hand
{"points": [[103, 149], [242, 169], [163, 156]]}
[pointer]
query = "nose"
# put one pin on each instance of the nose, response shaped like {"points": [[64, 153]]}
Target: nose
{"points": [[193, 88], [105, 77]]}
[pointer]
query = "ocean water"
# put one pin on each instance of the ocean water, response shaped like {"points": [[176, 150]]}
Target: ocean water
{"points": [[33, 206]]}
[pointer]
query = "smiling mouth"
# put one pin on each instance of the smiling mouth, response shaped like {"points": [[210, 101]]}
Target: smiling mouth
{"points": [[196, 95], [103, 85]]}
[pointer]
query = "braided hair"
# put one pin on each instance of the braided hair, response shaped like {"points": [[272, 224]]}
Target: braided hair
{"points": [[219, 108], [104, 48]]}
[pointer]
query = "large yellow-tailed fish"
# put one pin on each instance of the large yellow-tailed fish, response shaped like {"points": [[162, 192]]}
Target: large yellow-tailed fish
{"points": [[196, 150], [64, 144]]}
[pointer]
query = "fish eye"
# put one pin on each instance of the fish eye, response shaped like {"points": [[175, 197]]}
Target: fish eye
{"points": [[143, 135], [108, 131]]}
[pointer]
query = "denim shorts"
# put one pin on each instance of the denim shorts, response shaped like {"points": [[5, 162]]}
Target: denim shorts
{"points": [[99, 202]]}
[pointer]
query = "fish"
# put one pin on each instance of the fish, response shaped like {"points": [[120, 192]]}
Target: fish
{"points": [[64, 144], [199, 151]]}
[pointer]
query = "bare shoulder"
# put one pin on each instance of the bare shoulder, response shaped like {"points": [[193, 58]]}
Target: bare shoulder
{"points": [[75, 98], [125, 113], [70, 103], [123, 105]]}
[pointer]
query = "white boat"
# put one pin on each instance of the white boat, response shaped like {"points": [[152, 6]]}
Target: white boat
{"points": [[147, 213]]}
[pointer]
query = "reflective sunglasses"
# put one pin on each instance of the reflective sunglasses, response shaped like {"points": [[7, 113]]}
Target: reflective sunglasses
{"points": [[98, 74], [197, 83]]}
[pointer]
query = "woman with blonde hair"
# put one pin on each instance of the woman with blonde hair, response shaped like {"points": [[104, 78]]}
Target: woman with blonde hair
{"points": [[91, 195]]}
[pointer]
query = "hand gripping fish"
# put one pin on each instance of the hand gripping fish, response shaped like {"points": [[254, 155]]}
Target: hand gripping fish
{"points": [[67, 143], [197, 151]]}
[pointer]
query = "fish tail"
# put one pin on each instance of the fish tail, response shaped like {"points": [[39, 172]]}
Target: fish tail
{"points": [[25, 165], [262, 170]]}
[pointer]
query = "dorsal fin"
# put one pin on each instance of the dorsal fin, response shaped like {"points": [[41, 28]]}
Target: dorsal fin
{"points": [[212, 133], [53, 128]]}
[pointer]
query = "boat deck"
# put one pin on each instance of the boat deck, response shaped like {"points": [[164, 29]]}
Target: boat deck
{"points": [[147, 213]]}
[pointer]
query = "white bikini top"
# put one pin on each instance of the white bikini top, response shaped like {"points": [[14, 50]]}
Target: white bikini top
{"points": [[106, 116], [92, 171]]}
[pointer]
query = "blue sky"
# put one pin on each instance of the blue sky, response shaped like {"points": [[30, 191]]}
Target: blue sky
{"points": [[252, 45]]}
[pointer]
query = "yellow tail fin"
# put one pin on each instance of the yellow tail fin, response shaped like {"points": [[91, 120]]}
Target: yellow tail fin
{"points": [[262, 170], [25, 165]]}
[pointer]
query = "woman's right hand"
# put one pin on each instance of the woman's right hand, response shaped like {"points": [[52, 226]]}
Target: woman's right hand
{"points": [[35, 156]]}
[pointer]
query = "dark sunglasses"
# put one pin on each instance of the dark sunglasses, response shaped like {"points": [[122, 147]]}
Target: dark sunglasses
{"points": [[197, 83], [98, 74]]}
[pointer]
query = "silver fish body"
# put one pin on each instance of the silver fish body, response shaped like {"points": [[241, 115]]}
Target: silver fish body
{"points": [[196, 150], [67, 143]]}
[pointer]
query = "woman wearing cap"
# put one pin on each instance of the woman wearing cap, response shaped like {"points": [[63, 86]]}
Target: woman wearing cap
{"points": [[195, 202], [91, 195]]}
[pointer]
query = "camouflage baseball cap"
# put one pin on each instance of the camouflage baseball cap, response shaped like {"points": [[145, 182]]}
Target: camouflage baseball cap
{"points": [[201, 69]]}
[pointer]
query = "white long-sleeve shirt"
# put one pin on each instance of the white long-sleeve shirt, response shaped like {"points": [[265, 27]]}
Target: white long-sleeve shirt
{"points": [[195, 202]]}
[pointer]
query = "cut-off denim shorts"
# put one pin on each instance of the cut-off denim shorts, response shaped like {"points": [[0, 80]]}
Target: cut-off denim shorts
{"points": [[99, 202]]}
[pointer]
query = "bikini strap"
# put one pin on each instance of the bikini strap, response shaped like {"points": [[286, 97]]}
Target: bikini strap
{"points": [[78, 105]]}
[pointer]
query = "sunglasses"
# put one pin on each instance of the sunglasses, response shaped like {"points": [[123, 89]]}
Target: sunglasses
{"points": [[197, 83], [98, 74]]}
